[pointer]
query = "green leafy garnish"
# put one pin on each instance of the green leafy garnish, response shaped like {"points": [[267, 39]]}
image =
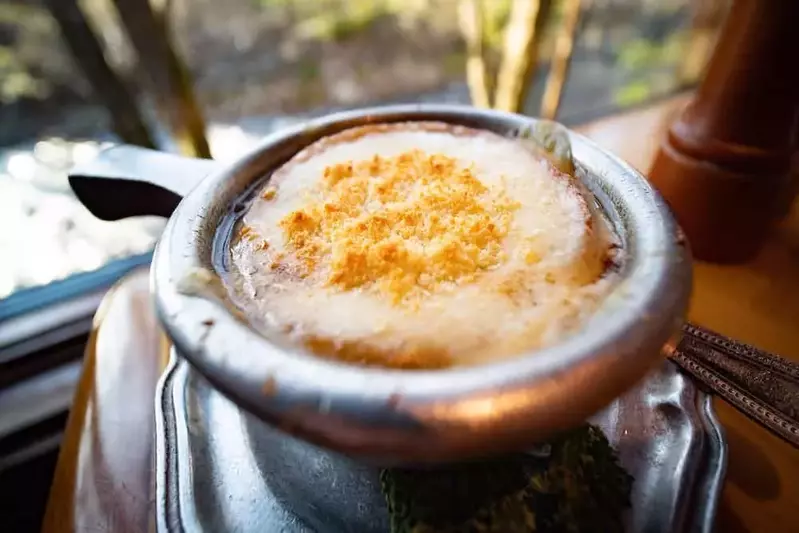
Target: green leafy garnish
{"points": [[579, 488]]}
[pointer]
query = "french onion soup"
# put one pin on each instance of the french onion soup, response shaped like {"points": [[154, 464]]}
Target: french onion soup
{"points": [[420, 245]]}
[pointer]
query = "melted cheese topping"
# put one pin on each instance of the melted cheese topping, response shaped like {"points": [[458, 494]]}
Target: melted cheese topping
{"points": [[420, 245], [403, 226]]}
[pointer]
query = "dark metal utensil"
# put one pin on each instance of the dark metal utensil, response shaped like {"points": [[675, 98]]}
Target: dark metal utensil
{"points": [[763, 386]]}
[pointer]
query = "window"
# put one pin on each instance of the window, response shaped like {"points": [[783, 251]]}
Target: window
{"points": [[254, 64]]}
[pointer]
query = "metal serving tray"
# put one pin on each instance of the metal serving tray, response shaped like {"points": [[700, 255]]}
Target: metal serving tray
{"points": [[220, 470]]}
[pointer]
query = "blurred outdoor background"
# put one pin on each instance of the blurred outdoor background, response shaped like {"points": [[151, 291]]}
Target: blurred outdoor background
{"points": [[211, 77]]}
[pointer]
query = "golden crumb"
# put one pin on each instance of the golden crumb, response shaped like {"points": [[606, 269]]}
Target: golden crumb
{"points": [[403, 226], [269, 193], [247, 232]]}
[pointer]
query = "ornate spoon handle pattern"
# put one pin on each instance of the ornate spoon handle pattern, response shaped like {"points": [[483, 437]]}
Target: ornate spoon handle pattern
{"points": [[762, 385]]}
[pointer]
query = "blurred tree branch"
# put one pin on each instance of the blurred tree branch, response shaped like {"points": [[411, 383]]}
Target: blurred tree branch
{"points": [[470, 18], [167, 75], [520, 52], [107, 87], [519, 56], [561, 59]]}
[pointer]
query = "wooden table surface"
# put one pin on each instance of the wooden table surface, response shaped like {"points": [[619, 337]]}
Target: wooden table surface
{"points": [[103, 479]]}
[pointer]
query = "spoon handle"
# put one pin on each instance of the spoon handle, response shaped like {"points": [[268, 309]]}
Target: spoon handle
{"points": [[762, 385]]}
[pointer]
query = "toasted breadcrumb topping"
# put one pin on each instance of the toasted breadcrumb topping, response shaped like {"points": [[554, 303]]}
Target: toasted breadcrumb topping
{"points": [[404, 226]]}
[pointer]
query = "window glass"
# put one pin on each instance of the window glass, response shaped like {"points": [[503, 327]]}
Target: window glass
{"points": [[257, 65]]}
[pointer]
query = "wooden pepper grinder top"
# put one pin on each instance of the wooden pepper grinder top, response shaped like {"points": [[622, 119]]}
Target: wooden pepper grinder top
{"points": [[724, 165]]}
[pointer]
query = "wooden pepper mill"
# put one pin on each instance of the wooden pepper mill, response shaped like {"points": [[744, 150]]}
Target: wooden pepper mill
{"points": [[724, 165]]}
